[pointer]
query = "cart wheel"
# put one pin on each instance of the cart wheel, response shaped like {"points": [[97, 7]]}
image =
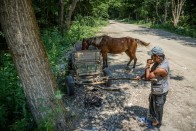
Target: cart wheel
{"points": [[108, 73], [70, 85]]}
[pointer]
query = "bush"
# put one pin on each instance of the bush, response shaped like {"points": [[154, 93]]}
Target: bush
{"points": [[185, 30], [13, 108]]}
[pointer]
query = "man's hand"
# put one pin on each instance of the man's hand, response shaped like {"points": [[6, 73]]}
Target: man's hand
{"points": [[138, 78], [149, 62]]}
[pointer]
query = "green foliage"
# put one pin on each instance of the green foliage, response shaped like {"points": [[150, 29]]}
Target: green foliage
{"points": [[147, 11], [84, 27], [22, 124], [14, 113], [54, 114], [152, 13], [184, 30], [47, 124], [46, 12], [115, 9], [3, 116], [58, 46], [13, 109], [94, 8], [100, 9], [181, 30]]}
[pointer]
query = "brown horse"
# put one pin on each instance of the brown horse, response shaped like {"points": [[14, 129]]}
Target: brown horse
{"points": [[107, 44]]}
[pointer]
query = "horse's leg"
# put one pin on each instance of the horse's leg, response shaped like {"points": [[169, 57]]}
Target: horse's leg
{"points": [[131, 56], [106, 60], [104, 56], [134, 55], [129, 62], [135, 61]]}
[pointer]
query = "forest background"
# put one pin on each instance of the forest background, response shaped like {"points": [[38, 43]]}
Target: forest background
{"points": [[62, 23]]}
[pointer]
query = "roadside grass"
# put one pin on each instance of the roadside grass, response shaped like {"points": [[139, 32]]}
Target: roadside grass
{"points": [[58, 47], [184, 30]]}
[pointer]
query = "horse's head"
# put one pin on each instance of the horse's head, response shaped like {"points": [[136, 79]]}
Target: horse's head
{"points": [[85, 44], [94, 41]]}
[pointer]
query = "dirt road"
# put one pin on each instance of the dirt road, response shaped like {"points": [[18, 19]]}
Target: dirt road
{"points": [[118, 107], [180, 108]]}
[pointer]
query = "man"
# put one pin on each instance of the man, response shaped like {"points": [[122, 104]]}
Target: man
{"points": [[157, 68]]}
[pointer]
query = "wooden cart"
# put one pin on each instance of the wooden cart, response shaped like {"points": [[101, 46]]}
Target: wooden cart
{"points": [[86, 68]]}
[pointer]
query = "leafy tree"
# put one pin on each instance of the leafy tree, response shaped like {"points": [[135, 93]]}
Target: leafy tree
{"points": [[177, 10], [115, 8], [189, 13], [69, 13], [46, 12], [23, 38]]}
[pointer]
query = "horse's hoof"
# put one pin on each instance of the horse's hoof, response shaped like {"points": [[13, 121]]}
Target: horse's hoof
{"points": [[133, 69], [130, 69], [127, 68]]}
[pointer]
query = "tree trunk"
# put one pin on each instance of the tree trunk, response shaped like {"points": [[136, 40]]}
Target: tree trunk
{"points": [[23, 38], [71, 8], [159, 13], [61, 17], [176, 10], [166, 5]]}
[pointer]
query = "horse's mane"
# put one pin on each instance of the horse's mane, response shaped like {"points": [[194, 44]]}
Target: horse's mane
{"points": [[96, 40]]}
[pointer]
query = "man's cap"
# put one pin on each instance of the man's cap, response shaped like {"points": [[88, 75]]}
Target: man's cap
{"points": [[156, 50]]}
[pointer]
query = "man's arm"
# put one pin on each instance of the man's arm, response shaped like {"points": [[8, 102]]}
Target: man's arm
{"points": [[154, 74], [149, 62], [139, 77]]}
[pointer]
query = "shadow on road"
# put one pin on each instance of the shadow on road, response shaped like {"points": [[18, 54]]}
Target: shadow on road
{"points": [[177, 77]]}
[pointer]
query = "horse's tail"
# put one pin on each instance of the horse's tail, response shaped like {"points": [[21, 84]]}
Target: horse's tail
{"points": [[142, 42]]}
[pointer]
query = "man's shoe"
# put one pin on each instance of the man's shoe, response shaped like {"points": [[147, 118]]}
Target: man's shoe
{"points": [[155, 122]]}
